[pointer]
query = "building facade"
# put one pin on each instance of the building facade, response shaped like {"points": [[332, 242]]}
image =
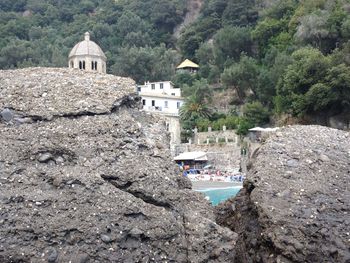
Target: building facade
{"points": [[87, 55], [162, 98]]}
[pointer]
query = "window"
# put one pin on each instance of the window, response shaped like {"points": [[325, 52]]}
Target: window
{"points": [[82, 64], [139, 89], [153, 103], [72, 64], [143, 102], [161, 85], [172, 94], [153, 86], [165, 104], [94, 65], [178, 105]]}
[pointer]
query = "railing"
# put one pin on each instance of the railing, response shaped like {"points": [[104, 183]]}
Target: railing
{"points": [[159, 109]]}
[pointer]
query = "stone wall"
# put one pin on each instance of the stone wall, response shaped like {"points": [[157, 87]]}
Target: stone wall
{"points": [[215, 137]]}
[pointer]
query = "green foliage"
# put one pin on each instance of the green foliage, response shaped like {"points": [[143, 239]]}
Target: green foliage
{"points": [[182, 78], [270, 30], [145, 63], [318, 98], [199, 90], [192, 110], [195, 106], [42, 32], [255, 113], [189, 43], [230, 121], [240, 13], [308, 68], [243, 126], [229, 43], [313, 84], [290, 56], [242, 77], [202, 124]]}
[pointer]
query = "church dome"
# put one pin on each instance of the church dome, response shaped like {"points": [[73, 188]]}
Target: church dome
{"points": [[87, 48]]}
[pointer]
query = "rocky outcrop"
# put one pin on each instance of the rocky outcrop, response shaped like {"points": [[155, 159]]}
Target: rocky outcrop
{"points": [[86, 177], [295, 204]]}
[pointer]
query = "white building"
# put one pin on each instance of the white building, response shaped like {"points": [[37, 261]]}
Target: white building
{"points": [[162, 98], [87, 55]]}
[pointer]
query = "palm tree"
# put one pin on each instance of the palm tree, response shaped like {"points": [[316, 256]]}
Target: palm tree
{"points": [[194, 108]]}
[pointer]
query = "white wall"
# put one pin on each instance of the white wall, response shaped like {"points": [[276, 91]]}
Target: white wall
{"points": [[173, 124], [101, 64], [155, 87], [159, 104]]}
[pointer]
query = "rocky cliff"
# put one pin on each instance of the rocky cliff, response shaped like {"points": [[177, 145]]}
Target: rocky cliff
{"points": [[86, 177], [295, 204]]}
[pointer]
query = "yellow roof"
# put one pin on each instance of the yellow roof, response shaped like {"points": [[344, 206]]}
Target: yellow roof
{"points": [[187, 64]]}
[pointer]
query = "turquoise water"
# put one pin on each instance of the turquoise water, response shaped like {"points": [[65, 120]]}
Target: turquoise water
{"points": [[217, 195]]}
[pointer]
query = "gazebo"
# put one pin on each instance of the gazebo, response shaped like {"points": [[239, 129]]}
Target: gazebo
{"points": [[188, 65]]}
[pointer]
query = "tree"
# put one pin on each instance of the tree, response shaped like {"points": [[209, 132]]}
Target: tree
{"points": [[338, 78], [130, 22], [243, 126], [240, 13], [255, 113], [193, 109], [265, 30], [230, 42], [195, 106], [145, 63], [189, 42], [345, 29], [200, 91], [205, 54], [313, 28], [318, 98], [242, 77], [182, 78], [309, 67]]}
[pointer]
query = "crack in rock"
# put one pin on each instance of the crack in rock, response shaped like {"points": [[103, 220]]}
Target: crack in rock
{"points": [[125, 186]]}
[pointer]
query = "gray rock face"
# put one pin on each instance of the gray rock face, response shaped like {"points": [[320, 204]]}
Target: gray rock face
{"points": [[84, 179], [295, 205]]}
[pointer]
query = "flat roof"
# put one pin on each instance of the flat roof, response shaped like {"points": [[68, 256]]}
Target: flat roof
{"points": [[155, 82], [264, 129], [196, 156]]}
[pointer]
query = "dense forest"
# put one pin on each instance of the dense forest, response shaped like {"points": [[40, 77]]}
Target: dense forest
{"points": [[135, 35], [276, 57]]}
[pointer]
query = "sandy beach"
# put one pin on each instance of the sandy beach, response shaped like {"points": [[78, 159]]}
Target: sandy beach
{"points": [[200, 185]]}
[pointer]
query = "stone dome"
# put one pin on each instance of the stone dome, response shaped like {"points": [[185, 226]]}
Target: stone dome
{"points": [[87, 55], [87, 47]]}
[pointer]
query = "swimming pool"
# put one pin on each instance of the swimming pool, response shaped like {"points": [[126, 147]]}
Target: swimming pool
{"points": [[217, 195]]}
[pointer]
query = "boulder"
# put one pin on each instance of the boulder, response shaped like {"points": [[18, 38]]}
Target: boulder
{"points": [[295, 203], [83, 178]]}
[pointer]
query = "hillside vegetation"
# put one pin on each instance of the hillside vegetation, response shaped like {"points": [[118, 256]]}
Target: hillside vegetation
{"points": [[135, 35], [271, 57], [280, 57]]}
